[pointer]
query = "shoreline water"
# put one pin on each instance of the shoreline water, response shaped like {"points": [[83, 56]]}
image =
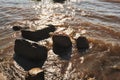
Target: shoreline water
{"points": [[97, 20]]}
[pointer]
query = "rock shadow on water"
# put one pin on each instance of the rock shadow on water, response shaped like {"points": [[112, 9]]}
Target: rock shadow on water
{"points": [[27, 64], [64, 54]]}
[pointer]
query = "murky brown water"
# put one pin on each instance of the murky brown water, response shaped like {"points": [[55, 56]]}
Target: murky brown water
{"points": [[98, 20]]}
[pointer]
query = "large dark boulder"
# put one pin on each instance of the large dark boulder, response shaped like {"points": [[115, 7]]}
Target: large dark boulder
{"points": [[59, 1], [39, 34], [18, 28], [31, 51], [62, 46], [29, 55], [82, 44]]}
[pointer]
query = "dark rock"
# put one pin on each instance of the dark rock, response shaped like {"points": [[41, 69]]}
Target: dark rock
{"points": [[36, 0], [27, 64], [31, 51], [39, 34], [29, 55], [35, 74], [82, 44], [18, 28], [59, 1], [62, 46]]}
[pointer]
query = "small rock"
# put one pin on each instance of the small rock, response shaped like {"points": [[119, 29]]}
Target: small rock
{"points": [[91, 79], [39, 34], [35, 71], [35, 74], [82, 60], [18, 28], [62, 46], [82, 44], [116, 66], [59, 1]]}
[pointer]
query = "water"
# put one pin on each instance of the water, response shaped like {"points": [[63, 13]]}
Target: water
{"points": [[98, 20]]}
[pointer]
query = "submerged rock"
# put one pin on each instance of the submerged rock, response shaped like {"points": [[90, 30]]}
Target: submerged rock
{"points": [[82, 44], [116, 66], [18, 28], [39, 34], [59, 1], [62, 46], [35, 74], [31, 51]]}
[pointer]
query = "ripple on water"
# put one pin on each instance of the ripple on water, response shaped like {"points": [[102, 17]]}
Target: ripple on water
{"points": [[95, 19]]}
